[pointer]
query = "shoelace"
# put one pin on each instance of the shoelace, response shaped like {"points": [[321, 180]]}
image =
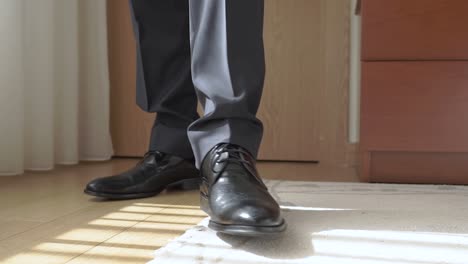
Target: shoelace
{"points": [[234, 155]]}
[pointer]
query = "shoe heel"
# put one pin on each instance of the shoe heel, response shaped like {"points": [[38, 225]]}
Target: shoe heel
{"points": [[187, 184]]}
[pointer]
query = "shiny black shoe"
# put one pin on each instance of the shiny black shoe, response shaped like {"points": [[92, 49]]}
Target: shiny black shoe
{"points": [[235, 197], [156, 172]]}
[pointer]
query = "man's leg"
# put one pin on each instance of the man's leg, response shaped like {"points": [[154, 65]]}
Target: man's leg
{"points": [[164, 81], [164, 85], [228, 71]]}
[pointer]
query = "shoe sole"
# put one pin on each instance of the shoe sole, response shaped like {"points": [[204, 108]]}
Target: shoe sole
{"points": [[250, 231], [241, 230], [187, 184]]}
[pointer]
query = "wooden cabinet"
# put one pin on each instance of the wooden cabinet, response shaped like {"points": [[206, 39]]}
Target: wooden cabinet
{"points": [[415, 29], [304, 107], [414, 98], [419, 106]]}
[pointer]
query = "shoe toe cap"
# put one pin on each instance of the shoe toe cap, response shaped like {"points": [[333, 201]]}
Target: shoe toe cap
{"points": [[94, 186], [257, 215]]}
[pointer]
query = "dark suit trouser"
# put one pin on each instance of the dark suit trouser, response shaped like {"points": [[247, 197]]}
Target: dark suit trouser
{"points": [[206, 49]]}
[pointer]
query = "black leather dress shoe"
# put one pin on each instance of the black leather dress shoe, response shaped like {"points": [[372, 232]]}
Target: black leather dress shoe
{"points": [[235, 197], [156, 172]]}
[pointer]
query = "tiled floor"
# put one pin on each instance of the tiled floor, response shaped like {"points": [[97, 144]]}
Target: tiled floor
{"points": [[45, 217]]}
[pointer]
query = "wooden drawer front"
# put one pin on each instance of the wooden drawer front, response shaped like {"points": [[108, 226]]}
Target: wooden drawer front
{"points": [[419, 167], [415, 29], [415, 106]]}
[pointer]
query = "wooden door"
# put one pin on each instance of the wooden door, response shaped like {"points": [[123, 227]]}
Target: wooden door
{"points": [[304, 107]]}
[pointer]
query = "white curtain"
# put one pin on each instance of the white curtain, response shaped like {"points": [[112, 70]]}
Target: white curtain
{"points": [[54, 85]]}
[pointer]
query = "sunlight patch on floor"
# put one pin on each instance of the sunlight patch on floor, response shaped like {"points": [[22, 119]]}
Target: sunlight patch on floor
{"points": [[128, 235], [168, 206], [141, 209], [112, 223], [87, 234], [125, 216], [61, 248], [304, 208], [392, 246]]}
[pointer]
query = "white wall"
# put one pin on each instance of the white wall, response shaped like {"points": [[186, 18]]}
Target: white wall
{"points": [[355, 75]]}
